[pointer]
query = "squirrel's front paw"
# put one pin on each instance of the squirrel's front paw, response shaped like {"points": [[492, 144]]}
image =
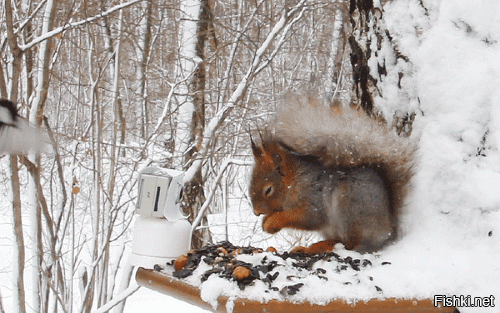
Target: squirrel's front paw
{"points": [[271, 224]]}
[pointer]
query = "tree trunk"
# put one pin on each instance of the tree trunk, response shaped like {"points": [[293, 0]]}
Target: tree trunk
{"points": [[19, 303], [191, 120], [362, 13], [41, 288], [335, 70], [143, 52], [377, 66], [16, 52]]}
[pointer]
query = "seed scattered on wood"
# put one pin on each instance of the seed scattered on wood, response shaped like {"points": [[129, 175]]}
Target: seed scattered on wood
{"points": [[209, 260], [218, 259], [183, 273], [291, 290], [270, 278], [180, 262], [241, 272], [236, 252], [224, 262], [222, 251], [272, 249], [207, 274]]}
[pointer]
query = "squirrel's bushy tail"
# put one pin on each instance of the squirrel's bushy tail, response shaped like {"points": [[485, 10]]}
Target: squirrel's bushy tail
{"points": [[346, 138]]}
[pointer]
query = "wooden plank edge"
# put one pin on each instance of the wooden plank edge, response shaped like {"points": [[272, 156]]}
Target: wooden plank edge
{"points": [[191, 294]]}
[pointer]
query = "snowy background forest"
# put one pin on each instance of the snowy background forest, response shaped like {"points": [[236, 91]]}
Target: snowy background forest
{"points": [[121, 85]]}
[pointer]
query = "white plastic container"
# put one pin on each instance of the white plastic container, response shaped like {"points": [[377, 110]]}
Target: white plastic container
{"points": [[158, 241]]}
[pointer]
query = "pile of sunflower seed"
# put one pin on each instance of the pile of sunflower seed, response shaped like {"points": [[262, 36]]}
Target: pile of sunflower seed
{"points": [[223, 262]]}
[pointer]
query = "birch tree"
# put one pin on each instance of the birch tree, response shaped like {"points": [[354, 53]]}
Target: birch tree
{"points": [[12, 72], [19, 253], [336, 70], [35, 117], [143, 49], [191, 116]]}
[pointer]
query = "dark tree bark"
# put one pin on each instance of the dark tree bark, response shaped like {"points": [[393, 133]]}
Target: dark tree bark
{"points": [[362, 13], [370, 67], [194, 195]]}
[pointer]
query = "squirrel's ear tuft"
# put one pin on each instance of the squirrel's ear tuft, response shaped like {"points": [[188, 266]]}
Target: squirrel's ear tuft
{"points": [[257, 150]]}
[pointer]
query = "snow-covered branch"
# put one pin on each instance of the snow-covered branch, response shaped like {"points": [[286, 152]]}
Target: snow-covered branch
{"points": [[23, 24], [119, 298], [76, 24], [221, 115], [281, 41], [240, 32]]}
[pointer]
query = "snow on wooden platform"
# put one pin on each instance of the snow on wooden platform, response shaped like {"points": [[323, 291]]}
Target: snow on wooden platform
{"points": [[225, 278]]}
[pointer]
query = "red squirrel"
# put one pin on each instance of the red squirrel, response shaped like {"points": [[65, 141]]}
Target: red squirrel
{"points": [[332, 170]]}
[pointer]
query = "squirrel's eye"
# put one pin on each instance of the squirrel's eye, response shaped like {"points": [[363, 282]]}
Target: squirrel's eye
{"points": [[268, 191]]}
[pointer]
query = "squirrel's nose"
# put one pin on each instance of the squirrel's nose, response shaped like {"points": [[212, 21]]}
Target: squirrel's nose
{"points": [[257, 212]]}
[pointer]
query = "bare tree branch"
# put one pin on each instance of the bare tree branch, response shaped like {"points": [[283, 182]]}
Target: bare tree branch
{"points": [[225, 164], [76, 24], [221, 115]]}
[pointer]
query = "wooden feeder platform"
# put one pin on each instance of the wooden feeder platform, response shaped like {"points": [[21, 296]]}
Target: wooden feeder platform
{"points": [[176, 288]]}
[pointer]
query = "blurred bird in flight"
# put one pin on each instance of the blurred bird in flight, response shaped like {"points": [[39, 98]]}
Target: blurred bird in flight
{"points": [[17, 136]]}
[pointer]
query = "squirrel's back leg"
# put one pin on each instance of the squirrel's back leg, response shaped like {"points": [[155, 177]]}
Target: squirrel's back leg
{"points": [[318, 247], [350, 243]]}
